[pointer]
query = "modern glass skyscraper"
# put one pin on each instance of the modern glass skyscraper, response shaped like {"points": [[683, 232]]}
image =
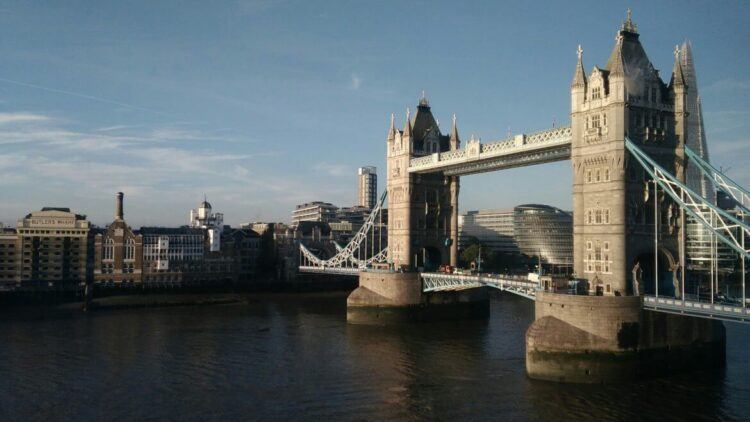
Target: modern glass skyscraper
{"points": [[698, 247]]}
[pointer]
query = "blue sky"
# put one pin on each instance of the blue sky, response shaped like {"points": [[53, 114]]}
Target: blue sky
{"points": [[264, 104]]}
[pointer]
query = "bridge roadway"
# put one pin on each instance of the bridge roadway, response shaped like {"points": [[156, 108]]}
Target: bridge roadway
{"points": [[521, 150], [519, 285]]}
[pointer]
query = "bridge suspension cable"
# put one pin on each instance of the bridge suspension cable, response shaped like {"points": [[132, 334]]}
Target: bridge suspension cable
{"points": [[721, 181], [357, 254], [726, 227]]}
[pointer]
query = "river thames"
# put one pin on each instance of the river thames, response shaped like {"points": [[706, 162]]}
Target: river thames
{"points": [[282, 357]]}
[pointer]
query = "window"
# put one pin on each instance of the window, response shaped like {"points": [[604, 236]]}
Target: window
{"points": [[595, 121], [109, 249], [598, 214], [598, 176], [606, 216], [653, 95], [588, 247], [596, 93], [604, 119], [130, 249], [588, 176], [606, 175]]}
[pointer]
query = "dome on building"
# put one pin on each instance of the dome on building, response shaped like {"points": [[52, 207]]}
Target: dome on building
{"points": [[205, 203]]}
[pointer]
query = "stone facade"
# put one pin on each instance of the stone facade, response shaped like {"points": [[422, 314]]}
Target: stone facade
{"points": [[423, 208], [54, 246], [612, 198]]}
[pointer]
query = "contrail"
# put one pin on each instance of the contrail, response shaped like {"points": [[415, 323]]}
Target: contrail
{"points": [[84, 96]]}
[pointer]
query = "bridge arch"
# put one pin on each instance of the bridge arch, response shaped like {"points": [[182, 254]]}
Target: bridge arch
{"points": [[641, 276], [429, 258]]}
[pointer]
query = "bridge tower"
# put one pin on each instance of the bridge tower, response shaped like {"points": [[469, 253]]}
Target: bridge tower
{"points": [[625, 232], [613, 202], [422, 208]]}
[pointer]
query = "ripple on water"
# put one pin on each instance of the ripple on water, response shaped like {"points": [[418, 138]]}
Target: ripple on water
{"points": [[284, 357]]}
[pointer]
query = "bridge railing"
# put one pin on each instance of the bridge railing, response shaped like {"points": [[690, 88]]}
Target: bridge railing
{"points": [[475, 151], [434, 282], [722, 311]]}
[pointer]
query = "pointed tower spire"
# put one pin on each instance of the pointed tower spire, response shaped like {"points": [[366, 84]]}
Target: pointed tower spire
{"points": [[392, 130], [455, 142], [407, 127], [678, 78], [579, 79], [617, 64], [628, 24], [423, 101]]}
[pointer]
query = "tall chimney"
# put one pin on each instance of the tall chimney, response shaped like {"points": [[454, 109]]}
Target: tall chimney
{"points": [[118, 206]]}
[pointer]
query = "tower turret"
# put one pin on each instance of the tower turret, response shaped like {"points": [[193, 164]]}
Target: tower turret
{"points": [[391, 130], [579, 84], [454, 141], [407, 127]]}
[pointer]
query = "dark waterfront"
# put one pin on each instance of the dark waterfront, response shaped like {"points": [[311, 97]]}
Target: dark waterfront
{"points": [[293, 356]]}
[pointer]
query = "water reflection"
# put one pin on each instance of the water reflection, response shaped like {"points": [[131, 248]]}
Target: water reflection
{"points": [[278, 357]]}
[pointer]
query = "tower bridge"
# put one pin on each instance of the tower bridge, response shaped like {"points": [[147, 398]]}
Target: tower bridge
{"points": [[639, 160]]}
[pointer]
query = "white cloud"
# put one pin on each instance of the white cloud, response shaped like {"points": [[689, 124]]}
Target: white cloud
{"points": [[19, 117], [356, 82], [161, 168]]}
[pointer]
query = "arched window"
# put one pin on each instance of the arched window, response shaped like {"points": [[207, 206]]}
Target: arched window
{"points": [[130, 249], [109, 249]]}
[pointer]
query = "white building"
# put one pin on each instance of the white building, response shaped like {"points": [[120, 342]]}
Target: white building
{"points": [[204, 218]]}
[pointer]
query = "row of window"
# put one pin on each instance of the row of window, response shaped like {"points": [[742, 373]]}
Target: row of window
{"points": [[597, 258], [109, 249], [597, 175], [75, 232], [597, 216], [596, 120], [649, 119]]}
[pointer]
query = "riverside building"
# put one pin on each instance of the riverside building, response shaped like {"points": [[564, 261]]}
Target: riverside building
{"points": [[118, 251], [54, 244], [9, 257], [170, 254]]}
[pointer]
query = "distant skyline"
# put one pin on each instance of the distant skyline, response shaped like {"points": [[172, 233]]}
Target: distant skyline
{"points": [[261, 105]]}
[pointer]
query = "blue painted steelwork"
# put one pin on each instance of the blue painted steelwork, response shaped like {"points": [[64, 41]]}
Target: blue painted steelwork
{"points": [[719, 222], [721, 181]]}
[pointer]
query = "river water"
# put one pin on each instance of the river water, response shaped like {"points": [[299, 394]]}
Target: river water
{"points": [[282, 357]]}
